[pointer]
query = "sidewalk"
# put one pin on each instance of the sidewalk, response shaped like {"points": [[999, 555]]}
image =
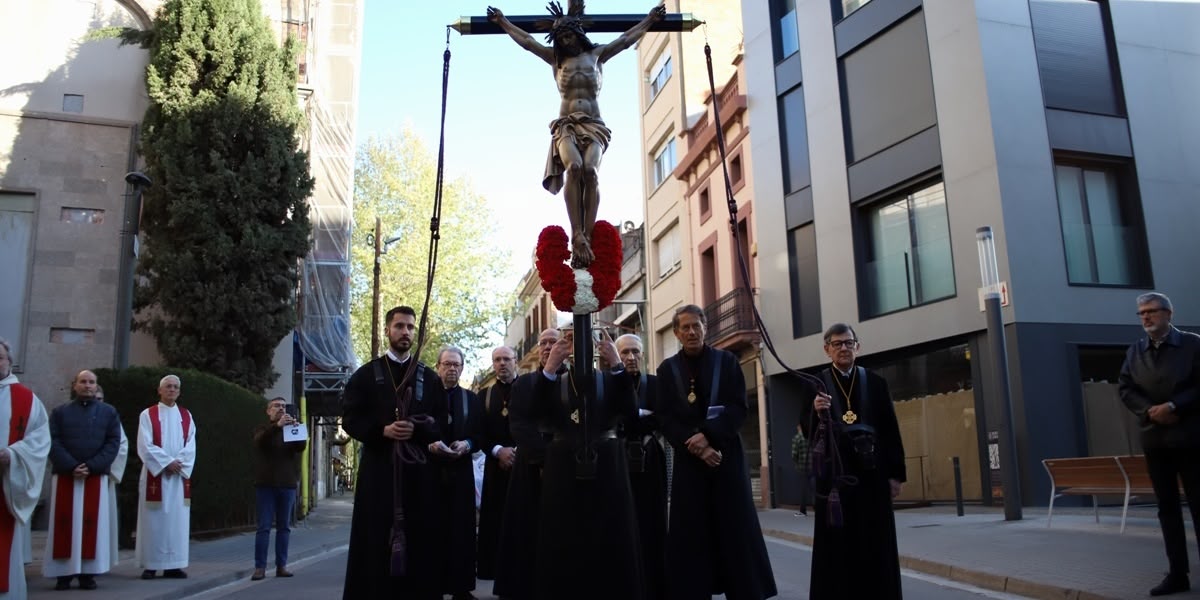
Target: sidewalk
{"points": [[1076, 558], [213, 563]]}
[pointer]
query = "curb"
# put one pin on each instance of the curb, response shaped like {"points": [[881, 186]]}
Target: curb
{"points": [[200, 586], [982, 579]]}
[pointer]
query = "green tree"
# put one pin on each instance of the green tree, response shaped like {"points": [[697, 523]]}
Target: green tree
{"points": [[395, 180], [226, 221]]}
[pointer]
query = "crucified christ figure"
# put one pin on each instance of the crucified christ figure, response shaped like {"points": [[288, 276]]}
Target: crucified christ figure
{"points": [[578, 136]]}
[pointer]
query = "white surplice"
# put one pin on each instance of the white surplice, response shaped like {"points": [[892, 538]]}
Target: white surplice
{"points": [[22, 480], [106, 525], [115, 474], [162, 531]]}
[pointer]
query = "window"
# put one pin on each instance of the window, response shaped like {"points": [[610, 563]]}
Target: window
{"points": [[849, 6], [806, 289], [887, 89], [17, 215], [73, 103], [787, 39], [735, 170], [708, 276], [1074, 57], [664, 163], [660, 73], [705, 205], [908, 251], [1102, 232], [795, 140], [666, 247], [670, 344]]}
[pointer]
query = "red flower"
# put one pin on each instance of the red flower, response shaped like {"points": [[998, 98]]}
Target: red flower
{"points": [[558, 278], [606, 268]]}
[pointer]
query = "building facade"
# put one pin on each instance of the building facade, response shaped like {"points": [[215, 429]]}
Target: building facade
{"points": [[70, 120], [887, 131]]}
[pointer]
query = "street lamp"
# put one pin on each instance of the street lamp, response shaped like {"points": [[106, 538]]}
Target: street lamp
{"points": [[1010, 481], [129, 232], [381, 246]]}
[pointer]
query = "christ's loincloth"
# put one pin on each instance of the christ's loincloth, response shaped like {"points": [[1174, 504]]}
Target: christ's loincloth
{"points": [[582, 129]]}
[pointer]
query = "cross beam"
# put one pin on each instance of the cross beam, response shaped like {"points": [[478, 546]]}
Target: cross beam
{"points": [[595, 23]]}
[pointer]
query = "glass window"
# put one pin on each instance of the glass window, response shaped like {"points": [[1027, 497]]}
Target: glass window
{"points": [[795, 140], [660, 73], [1076, 67], [667, 249], [849, 6], [908, 252], [806, 291], [670, 344], [1101, 235], [787, 41], [888, 89], [664, 164]]}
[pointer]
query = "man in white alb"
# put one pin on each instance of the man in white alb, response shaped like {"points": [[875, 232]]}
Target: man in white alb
{"points": [[23, 455], [166, 443]]}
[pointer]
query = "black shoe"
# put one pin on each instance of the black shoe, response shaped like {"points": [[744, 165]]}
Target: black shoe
{"points": [[87, 582], [64, 583], [1171, 584], [174, 574], [148, 574], [464, 596]]}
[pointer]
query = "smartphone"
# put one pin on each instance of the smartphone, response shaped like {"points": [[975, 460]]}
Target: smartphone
{"points": [[292, 411]]}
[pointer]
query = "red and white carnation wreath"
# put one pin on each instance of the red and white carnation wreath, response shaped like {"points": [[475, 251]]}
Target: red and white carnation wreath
{"points": [[580, 291]]}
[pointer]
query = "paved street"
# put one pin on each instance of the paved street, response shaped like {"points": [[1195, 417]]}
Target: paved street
{"points": [[321, 577]]}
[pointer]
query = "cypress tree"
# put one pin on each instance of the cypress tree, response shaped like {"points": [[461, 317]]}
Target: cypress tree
{"points": [[226, 222]]}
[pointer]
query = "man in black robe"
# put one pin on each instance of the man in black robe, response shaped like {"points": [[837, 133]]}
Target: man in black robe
{"points": [[501, 452], [647, 467], [714, 541], [517, 552], [859, 455], [451, 456], [370, 416], [587, 536]]}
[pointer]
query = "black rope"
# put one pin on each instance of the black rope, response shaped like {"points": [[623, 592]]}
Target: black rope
{"points": [[435, 221], [825, 425]]}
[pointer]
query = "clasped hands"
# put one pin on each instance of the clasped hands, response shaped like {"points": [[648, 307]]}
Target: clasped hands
{"points": [[698, 446], [507, 456], [1161, 414], [175, 468], [457, 448]]}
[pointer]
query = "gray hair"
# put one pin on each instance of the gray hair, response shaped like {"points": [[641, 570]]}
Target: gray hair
{"points": [[461, 357], [7, 349], [164, 380], [630, 338], [1162, 300], [689, 309], [839, 329]]}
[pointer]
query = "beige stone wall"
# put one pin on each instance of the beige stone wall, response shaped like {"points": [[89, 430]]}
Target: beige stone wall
{"points": [[935, 429]]}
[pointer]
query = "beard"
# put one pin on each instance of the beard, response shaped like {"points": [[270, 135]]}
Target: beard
{"points": [[401, 345]]}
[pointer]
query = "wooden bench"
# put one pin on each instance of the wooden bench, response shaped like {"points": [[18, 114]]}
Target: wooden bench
{"points": [[1098, 475]]}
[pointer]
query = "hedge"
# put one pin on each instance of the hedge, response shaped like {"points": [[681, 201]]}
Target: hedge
{"points": [[225, 416]]}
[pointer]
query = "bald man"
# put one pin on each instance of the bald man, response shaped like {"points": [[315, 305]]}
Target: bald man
{"points": [[85, 437]]}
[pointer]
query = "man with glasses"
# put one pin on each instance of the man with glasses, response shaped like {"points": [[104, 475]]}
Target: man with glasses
{"points": [[461, 432], [1159, 383], [858, 460]]}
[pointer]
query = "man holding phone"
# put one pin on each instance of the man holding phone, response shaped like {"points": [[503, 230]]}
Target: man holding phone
{"points": [[276, 473]]}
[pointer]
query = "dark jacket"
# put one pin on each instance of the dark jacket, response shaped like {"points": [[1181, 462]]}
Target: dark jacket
{"points": [[1170, 373], [276, 464], [84, 432]]}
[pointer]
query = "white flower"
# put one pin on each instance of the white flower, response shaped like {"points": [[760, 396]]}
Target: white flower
{"points": [[586, 301]]}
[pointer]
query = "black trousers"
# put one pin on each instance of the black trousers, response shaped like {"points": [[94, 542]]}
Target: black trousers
{"points": [[1167, 466]]}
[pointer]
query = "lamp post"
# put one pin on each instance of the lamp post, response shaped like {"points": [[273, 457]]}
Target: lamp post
{"points": [[1010, 480], [129, 232], [381, 246]]}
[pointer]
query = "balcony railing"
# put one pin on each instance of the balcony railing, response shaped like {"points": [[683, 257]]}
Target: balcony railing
{"points": [[731, 314]]}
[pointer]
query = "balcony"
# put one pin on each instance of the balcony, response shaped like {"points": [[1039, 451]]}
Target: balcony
{"points": [[731, 321]]}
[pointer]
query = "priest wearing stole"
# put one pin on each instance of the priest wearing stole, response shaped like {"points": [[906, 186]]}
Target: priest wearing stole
{"points": [[22, 465], [166, 443], [85, 436]]}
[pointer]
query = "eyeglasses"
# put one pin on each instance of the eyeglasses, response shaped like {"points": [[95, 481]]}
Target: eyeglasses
{"points": [[452, 365], [1149, 311], [848, 344]]}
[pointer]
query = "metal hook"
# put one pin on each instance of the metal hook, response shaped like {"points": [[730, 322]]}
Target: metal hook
{"points": [[447, 37], [705, 25]]}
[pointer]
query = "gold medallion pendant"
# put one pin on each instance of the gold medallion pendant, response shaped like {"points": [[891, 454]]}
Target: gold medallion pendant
{"points": [[849, 418], [692, 396], [504, 412], [575, 417]]}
